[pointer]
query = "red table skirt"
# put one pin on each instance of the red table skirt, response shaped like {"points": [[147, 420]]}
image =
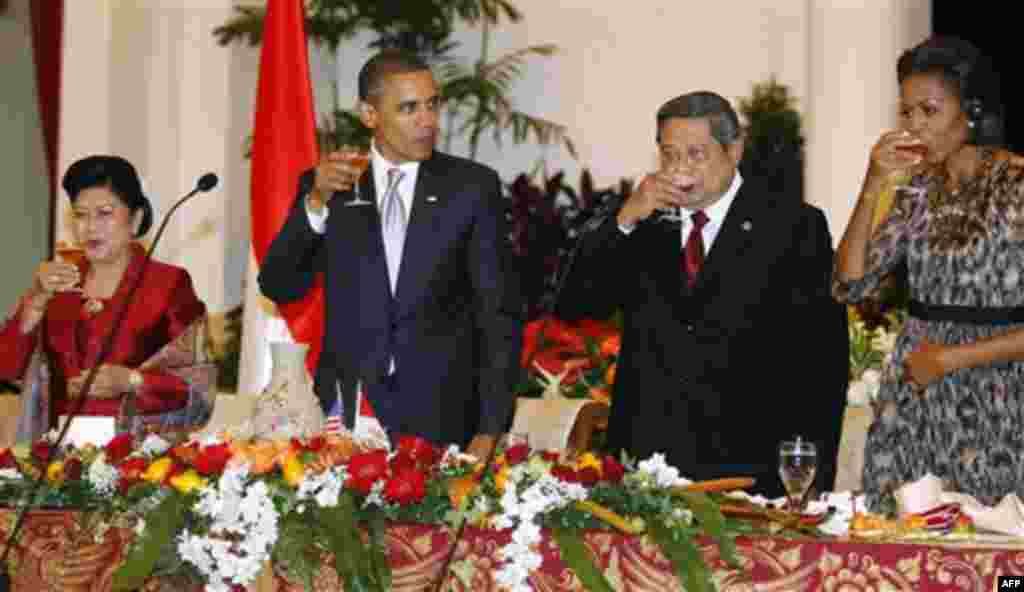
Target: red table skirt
{"points": [[53, 553]]}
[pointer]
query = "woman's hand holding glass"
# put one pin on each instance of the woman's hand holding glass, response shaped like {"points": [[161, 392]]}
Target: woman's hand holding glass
{"points": [[897, 156], [57, 276]]}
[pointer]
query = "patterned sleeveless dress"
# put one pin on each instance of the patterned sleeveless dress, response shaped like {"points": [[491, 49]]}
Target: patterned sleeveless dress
{"points": [[962, 248]]}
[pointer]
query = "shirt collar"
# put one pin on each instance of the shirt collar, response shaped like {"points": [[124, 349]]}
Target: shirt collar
{"points": [[381, 166], [716, 212]]}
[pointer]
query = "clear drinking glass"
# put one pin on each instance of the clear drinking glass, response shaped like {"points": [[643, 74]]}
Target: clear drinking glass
{"points": [[358, 157], [74, 255], [798, 463]]}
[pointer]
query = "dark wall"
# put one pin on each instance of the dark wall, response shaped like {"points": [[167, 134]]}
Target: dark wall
{"points": [[997, 31]]}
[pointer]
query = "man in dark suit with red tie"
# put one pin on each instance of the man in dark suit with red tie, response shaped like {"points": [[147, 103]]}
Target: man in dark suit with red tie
{"points": [[731, 340], [420, 300]]}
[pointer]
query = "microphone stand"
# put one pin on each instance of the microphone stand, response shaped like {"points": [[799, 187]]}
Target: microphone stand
{"points": [[587, 228], [205, 183]]}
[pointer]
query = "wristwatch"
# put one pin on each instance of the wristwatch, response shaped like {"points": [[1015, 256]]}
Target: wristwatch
{"points": [[136, 380]]}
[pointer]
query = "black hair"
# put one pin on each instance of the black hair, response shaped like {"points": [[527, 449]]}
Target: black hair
{"points": [[116, 174], [725, 124], [969, 75], [384, 64]]}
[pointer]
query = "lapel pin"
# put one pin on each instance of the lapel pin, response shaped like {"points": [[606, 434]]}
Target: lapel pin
{"points": [[746, 226], [431, 199]]}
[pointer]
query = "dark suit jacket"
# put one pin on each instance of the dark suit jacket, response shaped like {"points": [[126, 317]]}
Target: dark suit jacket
{"points": [[717, 376], [454, 326]]}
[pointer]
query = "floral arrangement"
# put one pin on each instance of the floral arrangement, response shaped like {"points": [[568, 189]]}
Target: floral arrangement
{"points": [[575, 360], [872, 341], [217, 510]]}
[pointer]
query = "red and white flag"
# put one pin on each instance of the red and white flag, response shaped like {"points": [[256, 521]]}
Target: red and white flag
{"points": [[284, 145]]}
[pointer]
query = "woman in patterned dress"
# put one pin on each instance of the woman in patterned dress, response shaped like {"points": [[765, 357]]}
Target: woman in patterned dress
{"points": [[952, 398]]}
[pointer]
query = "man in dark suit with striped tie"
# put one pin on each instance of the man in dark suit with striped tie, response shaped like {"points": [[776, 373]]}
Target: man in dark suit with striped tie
{"points": [[421, 304], [732, 342]]}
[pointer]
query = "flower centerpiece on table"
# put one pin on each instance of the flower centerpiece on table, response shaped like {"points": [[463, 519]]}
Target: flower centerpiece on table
{"points": [[581, 355], [218, 510], [872, 340]]}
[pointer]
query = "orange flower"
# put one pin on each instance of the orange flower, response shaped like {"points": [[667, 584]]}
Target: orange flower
{"points": [[263, 456], [601, 395], [459, 488], [609, 374], [293, 469], [610, 344]]}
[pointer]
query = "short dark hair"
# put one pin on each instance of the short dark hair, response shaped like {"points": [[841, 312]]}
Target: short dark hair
{"points": [[725, 124], [116, 174], [384, 64], [969, 75]]}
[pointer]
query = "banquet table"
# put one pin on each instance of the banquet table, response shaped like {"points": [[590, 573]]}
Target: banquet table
{"points": [[53, 553]]}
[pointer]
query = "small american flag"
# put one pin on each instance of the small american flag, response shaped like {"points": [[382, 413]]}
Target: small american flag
{"points": [[335, 417]]}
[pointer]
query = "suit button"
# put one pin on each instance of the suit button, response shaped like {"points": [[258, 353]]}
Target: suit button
{"points": [[394, 326], [689, 327]]}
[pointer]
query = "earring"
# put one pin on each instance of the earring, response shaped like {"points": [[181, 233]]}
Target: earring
{"points": [[970, 124]]}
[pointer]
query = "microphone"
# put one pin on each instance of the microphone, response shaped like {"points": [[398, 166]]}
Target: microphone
{"points": [[204, 184]]}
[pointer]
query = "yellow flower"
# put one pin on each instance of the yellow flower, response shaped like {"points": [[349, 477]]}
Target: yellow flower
{"points": [[158, 470], [188, 481], [293, 469], [851, 314], [500, 479], [55, 471], [588, 459]]}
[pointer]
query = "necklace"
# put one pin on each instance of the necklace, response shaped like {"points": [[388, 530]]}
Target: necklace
{"points": [[92, 306]]}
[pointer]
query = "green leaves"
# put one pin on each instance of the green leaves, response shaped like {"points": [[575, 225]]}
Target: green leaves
{"points": [[575, 554], [679, 548], [712, 522], [360, 567], [162, 523]]}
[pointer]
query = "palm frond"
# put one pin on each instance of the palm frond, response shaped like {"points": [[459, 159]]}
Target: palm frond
{"points": [[508, 67], [522, 125], [246, 25], [473, 11]]}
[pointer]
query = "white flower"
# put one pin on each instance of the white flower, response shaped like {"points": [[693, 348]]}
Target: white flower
{"points": [[662, 474], [154, 445], [376, 495], [10, 474], [140, 527], [236, 507], [102, 476], [865, 390]]}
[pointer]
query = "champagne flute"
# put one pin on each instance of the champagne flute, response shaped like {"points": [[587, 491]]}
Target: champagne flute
{"points": [[798, 463], [74, 255], [359, 158]]}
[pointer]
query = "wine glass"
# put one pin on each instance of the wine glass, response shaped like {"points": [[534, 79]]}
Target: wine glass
{"points": [[74, 255], [359, 158], [798, 463]]}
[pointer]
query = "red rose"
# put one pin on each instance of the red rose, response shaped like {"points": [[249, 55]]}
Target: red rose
{"points": [[131, 472], [406, 487], [588, 476], [73, 469], [517, 454], [564, 473], [551, 456], [41, 451], [612, 469], [401, 462], [418, 449], [211, 459], [367, 468], [316, 444], [7, 459], [132, 468], [119, 448]]}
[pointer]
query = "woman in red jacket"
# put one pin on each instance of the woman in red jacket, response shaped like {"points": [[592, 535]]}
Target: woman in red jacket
{"points": [[60, 325]]}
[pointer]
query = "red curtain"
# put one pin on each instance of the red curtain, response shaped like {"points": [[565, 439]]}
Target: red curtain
{"points": [[47, 37]]}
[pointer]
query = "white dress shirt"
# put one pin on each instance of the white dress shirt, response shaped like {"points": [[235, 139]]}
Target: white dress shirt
{"points": [[715, 213]]}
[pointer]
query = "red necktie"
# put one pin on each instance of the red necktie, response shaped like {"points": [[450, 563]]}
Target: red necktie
{"points": [[693, 256]]}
